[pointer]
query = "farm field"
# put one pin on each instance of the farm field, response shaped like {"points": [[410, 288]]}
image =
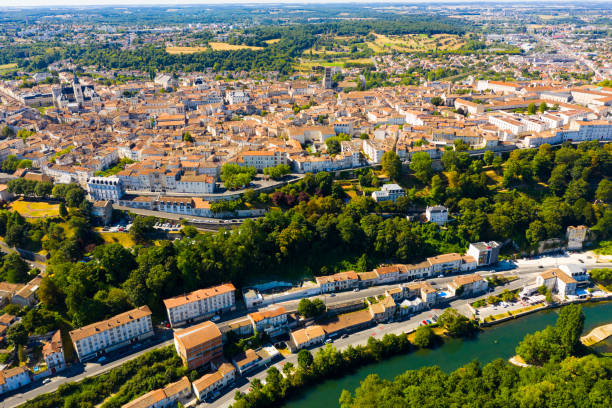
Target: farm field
{"points": [[34, 209], [220, 46], [415, 42], [7, 67], [185, 50]]}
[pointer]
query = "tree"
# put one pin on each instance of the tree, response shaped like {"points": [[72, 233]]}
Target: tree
{"points": [[604, 191], [187, 137], [456, 324], [15, 269], [420, 164], [488, 157], [142, 228], [49, 294], [304, 359], [333, 146], [543, 107], [436, 100], [63, 212], [535, 233], [424, 336], [17, 335], [531, 109], [391, 165], [235, 176], [569, 327]]}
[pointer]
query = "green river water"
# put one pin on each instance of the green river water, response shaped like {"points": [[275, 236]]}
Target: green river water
{"points": [[496, 342]]}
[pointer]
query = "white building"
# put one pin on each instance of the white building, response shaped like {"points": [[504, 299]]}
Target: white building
{"points": [[262, 159], [485, 253], [105, 188], [374, 150], [388, 192], [123, 329], [307, 337], [468, 285], [13, 378], [169, 396], [576, 236], [210, 383], [437, 214], [200, 304], [273, 321], [53, 353], [557, 281]]}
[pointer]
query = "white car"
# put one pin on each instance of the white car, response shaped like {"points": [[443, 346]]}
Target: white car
{"points": [[46, 381]]}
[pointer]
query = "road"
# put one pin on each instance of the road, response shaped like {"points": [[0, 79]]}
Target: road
{"points": [[78, 372], [526, 271]]}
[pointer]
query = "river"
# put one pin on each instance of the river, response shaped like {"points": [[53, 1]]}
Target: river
{"points": [[495, 342]]}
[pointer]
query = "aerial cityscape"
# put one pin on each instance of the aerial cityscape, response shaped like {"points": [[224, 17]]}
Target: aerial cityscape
{"points": [[302, 205]]}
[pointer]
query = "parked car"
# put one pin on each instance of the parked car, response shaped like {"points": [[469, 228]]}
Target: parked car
{"points": [[328, 341], [46, 381], [216, 318], [102, 359], [356, 290]]}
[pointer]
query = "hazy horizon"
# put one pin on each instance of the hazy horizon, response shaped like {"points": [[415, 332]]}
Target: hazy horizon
{"points": [[87, 3]]}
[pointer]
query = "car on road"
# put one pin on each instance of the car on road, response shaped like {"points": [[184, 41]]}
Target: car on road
{"points": [[356, 290], [46, 381], [332, 294], [328, 341], [344, 336], [216, 318], [441, 275], [102, 359]]}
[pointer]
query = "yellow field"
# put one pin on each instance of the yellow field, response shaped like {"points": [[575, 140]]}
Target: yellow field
{"points": [[272, 41], [8, 66], [185, 50], [32, 209], [415, 42], [122, 238], [219, 46]]}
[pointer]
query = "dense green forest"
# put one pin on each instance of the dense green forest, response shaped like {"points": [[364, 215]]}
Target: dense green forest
{"points": [[294, 39]]}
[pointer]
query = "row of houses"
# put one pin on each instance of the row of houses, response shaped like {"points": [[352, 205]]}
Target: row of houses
{"points": [[14, 378]]}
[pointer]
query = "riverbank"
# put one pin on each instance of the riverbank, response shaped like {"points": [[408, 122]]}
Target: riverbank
{"points": [[494, 342], [597, 335]]}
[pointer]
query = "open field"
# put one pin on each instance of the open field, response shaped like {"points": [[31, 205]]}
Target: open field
{"points": [[185, 50], [415, 42], [34, 209], [306, 65], [7, 67], [220, 46], [272, 41], [122, 238]]}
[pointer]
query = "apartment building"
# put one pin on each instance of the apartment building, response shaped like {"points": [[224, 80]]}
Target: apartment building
{"points": [[485, 253], [167, 397], [273, 320], [199, 345], [445, 263], [105, 188], [262, 159], [123, 329], [200, 304], [374, 150]]}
